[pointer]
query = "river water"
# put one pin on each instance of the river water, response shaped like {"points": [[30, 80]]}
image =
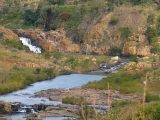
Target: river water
{"points": [[60, 82]]}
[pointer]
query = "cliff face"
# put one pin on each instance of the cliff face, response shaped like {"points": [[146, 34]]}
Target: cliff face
{"points": [[50, 41], [137, 44]]}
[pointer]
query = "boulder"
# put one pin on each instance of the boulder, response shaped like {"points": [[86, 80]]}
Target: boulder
{"points": [[5, 108], [129, 48], [132, 66], [143, 51], [133, 48], [8, 34]]}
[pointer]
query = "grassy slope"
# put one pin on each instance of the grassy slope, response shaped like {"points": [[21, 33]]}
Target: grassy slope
{"points": [[16, 76]]}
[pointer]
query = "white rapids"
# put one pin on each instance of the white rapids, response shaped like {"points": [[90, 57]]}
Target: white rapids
{"points": [[27, 42]]}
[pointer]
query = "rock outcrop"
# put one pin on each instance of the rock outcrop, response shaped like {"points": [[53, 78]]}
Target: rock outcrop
{"points": [[99, 97], [137, 45], [8, 34], [50, 41], [133, 66], [5, 108]]}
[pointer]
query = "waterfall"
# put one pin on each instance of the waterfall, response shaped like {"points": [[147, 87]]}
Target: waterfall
{"points": [[27, 42]]}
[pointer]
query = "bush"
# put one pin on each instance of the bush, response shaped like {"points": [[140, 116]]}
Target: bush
{"points": [[73, 100], [13, 43], [152, 34], [157, 114], [133, 58], [113, 21], [58, 55], [125, 32], [150, 98], [30, 18], [50, 72], [150, 18], [1, 35], [47, 55], [115, 51]]}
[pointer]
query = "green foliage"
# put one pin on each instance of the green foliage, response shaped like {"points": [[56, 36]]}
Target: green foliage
{"points": [[59, 2], [113, 21], [73, 100], [125, 32], [30, 18], [123, 82], [110, 7], [38, 70], [133, 58], [50, 73], [158, 26], [150, 19], [150, 98], [152, 34], [58, 55], [117, 2], [155, 48], [47, 55], [157, 114], [13, 43], [115, 50], [117, 103], [1, 35]]}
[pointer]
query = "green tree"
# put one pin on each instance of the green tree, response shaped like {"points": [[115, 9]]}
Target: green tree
{"points": [[30, 17], [152, 34], [115, 50]]}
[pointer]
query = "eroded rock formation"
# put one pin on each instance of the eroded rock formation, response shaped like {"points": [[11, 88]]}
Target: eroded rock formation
{"points": [[137, 44], [8, 34], [50, 41]]}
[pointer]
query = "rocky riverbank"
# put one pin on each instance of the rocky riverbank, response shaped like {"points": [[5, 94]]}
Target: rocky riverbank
{"points": [[100, 97]]}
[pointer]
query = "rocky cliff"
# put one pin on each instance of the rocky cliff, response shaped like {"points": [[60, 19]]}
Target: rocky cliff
{"points": [[137, 44], [50, 41]]}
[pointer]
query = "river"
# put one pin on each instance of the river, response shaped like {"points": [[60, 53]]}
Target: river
{"points": [[60, 82]]}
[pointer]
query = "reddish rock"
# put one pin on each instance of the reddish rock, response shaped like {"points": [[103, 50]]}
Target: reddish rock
{"points": [[51, 40], [8, 34]]}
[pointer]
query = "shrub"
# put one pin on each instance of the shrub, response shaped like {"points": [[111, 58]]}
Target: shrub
{"points": [[152, 34], [50, 73], [133, 58], [157, 114], [115, 50], [150, 18], [1, 35], [113, 21], [125, 32], [58, 55], [30, 18], [110, 7], [73, 100], [47, 54], [150, 98], [13, 43]]}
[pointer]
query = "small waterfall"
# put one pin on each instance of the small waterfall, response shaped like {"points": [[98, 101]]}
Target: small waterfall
{"points": [[27, 42]]}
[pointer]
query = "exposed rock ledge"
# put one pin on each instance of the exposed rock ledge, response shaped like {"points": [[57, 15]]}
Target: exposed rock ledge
{"points": [[99, 96], [49, 41]]}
